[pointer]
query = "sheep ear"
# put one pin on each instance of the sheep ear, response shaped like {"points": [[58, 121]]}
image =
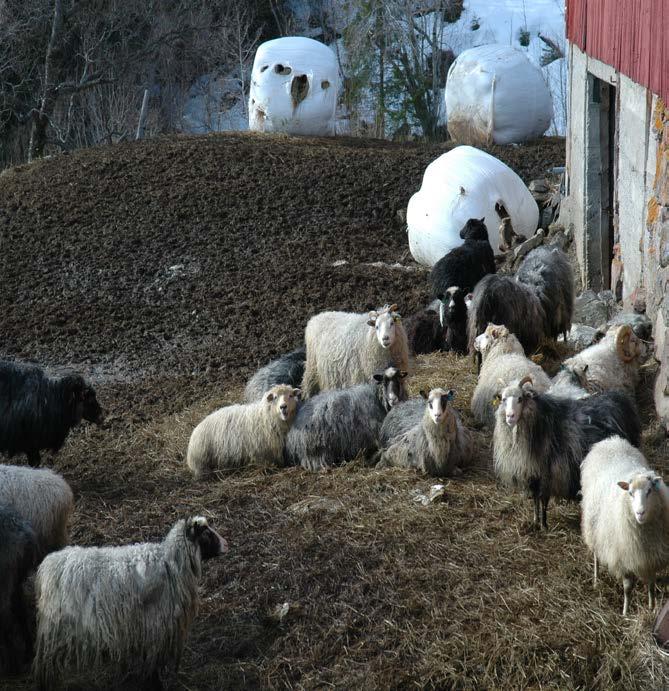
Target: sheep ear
{"points": [[269, 397], [624, 485], [423, 393], [403, 374], [482, 219], [297, 393], [397, 317], [656, 483], [377, 377], [624, 346], [372, 318], [450, 394]]}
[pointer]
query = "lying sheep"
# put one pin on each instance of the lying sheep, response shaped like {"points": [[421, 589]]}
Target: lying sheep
{"points": [[612, 363], [38, 411], [540, 440], [122, 610], [435, 441], [287, 369], [537, 304], [625, 515], [503, 361], [42, 498], [570, 383], [344, 348], [18, 557], [244, 433], [336, 426], [425, 333], [464, 266]]}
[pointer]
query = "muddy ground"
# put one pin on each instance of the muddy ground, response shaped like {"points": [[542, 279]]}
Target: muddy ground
{"points": [[167, 271]]}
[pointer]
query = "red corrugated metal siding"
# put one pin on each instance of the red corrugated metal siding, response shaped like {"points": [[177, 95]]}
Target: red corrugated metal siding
{"points": [[630, 35]]}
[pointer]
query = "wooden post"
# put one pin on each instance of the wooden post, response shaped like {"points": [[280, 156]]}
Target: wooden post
{"points": [[142, 115]]}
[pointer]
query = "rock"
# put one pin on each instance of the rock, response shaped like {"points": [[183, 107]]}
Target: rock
{"points": [[541, 186], [536, 240], [581, 336], [559, 239], [592, 310]]}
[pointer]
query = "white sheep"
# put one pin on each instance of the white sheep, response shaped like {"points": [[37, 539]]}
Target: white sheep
{"points": [[42, 498], [625, 515], [436, 443], [503, 362], [120, 610], [346, 348], [243, 433], [612, 363]]}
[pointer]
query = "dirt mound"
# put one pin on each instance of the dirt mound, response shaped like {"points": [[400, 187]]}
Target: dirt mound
{"points": [[167, 270]]}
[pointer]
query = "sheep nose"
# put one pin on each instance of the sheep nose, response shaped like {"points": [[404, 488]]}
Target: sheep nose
{"points": [[283, 407]]}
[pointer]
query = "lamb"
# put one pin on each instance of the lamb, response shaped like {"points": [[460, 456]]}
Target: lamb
{"points": [[540, 440], [344, 348], [625, 515], [122, 610], [336, 426], [503, 361], [287, 369], [430, 438], [39, 411], [236, 435], [425, 333], [611, 363], [537, 304], [18, 557], [464, 266], [42, 498]]}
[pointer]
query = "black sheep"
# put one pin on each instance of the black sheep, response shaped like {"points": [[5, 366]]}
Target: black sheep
{"points": [[425, 333], [454, 317], [38, 411], [464, 266], [18, 557]]}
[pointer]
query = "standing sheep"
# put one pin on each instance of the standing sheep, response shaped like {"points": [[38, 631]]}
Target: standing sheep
{"points": [[540, 440], [244, 433], [434, 441], [625, 515], [453, 315], [335, 426], [42, 498], [18, 557], [39, 411], [345, 348], [503, 362], [287, 369], [611, 363], [464, 266], [537, 304], [124, 610]]}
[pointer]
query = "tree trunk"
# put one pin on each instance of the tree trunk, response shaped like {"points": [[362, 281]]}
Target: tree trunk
{"points": [[42, 118]]}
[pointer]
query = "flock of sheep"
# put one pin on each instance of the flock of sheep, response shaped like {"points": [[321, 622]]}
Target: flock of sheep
{"points": [[342, 396]]}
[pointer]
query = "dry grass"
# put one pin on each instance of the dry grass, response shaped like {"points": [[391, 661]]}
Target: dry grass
{"points": [[382, 592]]}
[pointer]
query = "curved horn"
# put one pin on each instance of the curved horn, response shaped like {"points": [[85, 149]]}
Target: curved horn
{"points": [[623, 338], [527, 379]]}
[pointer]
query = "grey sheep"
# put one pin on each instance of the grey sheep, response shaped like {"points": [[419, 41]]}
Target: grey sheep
{"points": [[335, 426], [18, 557], [625, 515], [120, 610], [287, 369], [42, 498], [426, 435], [239, 434], [540, 439]]}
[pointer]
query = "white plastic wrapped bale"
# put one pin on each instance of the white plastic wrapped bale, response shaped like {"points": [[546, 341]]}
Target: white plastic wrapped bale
{"points": [[461, 184], [494, 94], [294, 86]]}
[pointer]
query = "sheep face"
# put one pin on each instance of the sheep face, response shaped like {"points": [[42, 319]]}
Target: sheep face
{"points": [[437, 404], [199, 531], [643, 491], [493, 334], [394, 391], [283, 400], [385, 325], [453, 307], [474, 229], [83, 399], [514, 399]]}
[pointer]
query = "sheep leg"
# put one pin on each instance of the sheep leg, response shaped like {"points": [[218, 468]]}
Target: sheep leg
{"points": [[154, 682], [20, 615], [33, 458], [544, 512], [628, 584], [536, 511], [594, 574], [651, 593]]}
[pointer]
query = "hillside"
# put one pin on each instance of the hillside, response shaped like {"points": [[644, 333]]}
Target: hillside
{"points": [[166, 271]]}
